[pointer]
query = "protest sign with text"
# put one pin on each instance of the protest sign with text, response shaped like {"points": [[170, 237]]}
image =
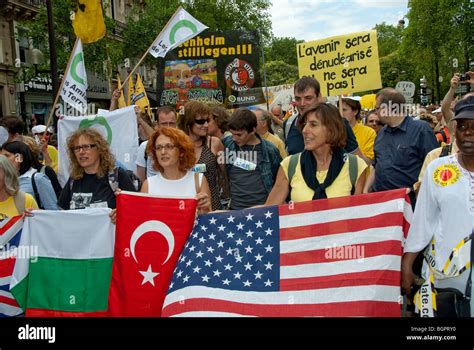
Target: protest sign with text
{"points": [[342, 64], [214, 67]]}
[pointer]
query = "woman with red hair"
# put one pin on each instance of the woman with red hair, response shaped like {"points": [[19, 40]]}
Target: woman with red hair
{"points": [[173, 156]]}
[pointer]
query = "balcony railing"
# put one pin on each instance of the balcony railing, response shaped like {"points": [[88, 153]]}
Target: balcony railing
{"points": [[20, 9], [36, 3]]}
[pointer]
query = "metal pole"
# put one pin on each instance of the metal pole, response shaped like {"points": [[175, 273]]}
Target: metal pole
{"points": [[264, 72], [52, 51]]}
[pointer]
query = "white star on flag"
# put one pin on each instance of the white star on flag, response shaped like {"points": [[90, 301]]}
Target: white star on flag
{"points": [[148, 276], [268, 215]]}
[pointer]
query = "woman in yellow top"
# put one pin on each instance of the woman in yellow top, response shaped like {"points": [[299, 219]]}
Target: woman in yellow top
{"points": [[365, 136], [12, 201], [322, 170]]}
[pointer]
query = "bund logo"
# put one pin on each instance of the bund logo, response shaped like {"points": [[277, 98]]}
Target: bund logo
{"points": [[239, 75]]}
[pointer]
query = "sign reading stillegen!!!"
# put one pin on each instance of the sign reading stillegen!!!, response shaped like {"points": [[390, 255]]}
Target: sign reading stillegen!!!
{"points": [[342, 64], [213, 67]]}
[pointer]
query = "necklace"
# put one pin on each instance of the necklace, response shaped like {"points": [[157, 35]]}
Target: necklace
{"points": [[253, 148]]}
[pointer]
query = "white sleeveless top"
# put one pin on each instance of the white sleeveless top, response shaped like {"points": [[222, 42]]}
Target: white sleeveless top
{"points": [[181, 188]]}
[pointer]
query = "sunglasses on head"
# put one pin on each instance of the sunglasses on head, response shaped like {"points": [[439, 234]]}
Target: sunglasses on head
{"points": [[201, 121]]}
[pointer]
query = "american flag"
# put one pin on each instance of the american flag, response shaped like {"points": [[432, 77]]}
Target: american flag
{"points": [[335, 257], [10, 234]]}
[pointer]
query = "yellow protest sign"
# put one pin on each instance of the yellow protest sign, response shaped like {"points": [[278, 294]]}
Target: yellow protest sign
{"points": [[342, 64]]}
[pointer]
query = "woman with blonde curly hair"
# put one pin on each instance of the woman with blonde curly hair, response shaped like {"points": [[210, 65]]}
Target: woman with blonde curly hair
{"points": [[174, 157], [93, 173]]}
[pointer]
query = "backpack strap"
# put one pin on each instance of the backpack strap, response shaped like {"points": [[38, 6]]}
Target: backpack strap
{"points": [[353, 170], [35, 190], [289, 123], [20, 202], [294, 159], [446, 150], [196, 183]]}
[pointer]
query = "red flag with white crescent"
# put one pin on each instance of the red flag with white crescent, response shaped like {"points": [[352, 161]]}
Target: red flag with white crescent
{"points": [[150, 235]]}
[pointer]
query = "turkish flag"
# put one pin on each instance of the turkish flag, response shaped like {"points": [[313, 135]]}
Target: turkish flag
{"points": [[150, 235]]}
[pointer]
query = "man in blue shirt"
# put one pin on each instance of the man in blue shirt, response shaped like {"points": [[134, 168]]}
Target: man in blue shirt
{"points": [[307, 94], [401, 146]]}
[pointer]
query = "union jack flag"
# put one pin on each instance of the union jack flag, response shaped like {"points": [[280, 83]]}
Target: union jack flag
{"points": [[334, 257], [10, 234]]}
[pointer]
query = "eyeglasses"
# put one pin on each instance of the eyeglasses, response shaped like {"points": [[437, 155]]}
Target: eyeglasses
{"points": [[168, 147], [168, 124], [201, 121], [86, 147]]}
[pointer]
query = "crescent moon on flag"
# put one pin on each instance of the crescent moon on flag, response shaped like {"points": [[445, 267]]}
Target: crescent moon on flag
{"points": [[153, 226], [184, 23], [75, 62]]}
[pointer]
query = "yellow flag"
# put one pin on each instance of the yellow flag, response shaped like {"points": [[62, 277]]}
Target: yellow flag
{"points": [[141, 99], [368, 101], [121, 101], [88, 21]]}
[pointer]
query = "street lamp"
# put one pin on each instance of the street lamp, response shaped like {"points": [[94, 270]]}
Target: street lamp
{"points": [[37, 58]]}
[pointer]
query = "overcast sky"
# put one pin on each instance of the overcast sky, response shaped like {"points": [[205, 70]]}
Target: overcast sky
{"points": [[317, 19]]}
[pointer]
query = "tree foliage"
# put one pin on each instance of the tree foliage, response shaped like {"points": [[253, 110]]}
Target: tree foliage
{"points": [[280, 72], [435, 36], [144, 24], [95, 54], [437, 32], [282, 49]]}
